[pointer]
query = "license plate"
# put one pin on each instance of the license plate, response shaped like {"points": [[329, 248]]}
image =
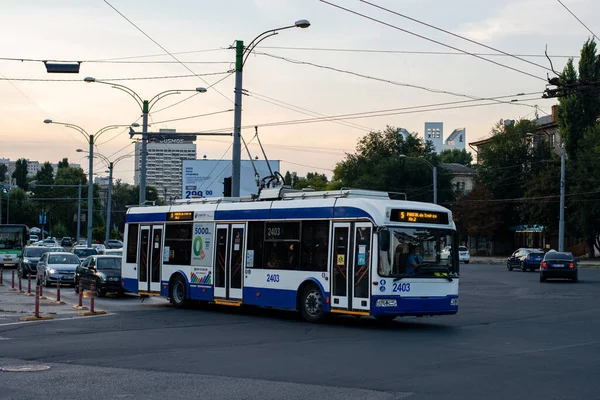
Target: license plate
{"points": [[8, 259], [559, 265]]}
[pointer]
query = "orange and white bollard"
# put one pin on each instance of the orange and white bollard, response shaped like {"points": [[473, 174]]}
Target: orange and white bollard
{"points": [[29, 284], [1, 275], [20, 285], [80, 304], [92, 296]]}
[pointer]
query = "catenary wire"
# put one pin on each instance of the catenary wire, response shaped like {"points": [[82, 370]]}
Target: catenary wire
{"points": [[580, 21], [431, 40], [455, 35], [162, 48]]}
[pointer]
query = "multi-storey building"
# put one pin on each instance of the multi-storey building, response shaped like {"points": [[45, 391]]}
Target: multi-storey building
{"points": [[165, 155]]}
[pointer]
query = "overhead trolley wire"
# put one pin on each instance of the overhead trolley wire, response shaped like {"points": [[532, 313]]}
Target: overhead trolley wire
{"points": [[431, 40]]}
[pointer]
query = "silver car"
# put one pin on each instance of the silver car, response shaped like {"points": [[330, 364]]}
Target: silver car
{"points": [[57, 265]]}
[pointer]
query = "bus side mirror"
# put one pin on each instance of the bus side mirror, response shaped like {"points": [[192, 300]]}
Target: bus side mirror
{"points": [[384, 240]]}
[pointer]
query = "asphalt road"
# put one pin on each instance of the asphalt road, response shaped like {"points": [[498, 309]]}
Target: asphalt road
{"points": [[514, 338]]}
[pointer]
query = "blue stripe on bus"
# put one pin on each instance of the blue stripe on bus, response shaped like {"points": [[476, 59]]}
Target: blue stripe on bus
{"points": [[265, 214], [197, 292], [278, 298], [415, 306], [130, 284], [150, 217]]}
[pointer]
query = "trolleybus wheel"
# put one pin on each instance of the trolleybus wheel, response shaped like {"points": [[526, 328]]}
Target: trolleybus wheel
{"points": [[311, 305], [178, 292]]}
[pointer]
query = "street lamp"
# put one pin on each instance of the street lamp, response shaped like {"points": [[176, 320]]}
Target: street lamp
{"points": [[90, 139], [433, 170], [145, 106], [110, 165], [241, 55]]}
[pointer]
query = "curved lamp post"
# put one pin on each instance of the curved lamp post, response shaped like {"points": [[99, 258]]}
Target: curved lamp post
{"points": [[110, 165], [90, 139], [145, 107], [241, 55], [433, 170]]}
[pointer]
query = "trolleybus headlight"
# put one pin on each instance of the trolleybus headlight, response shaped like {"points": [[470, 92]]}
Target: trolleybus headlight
{"points": [[386, 303]]}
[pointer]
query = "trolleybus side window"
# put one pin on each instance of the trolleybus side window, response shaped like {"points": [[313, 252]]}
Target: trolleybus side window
{"points": [[314, 246], [256, 233], [178, 238], [282, 245], [132, 243]]}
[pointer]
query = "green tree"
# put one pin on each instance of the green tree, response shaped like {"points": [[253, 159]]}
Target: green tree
{"points": [[386, 161], [63, 164], [580, 108], [20, 173], [22, 210], [456, 156], [313, 179], [3, 172]]}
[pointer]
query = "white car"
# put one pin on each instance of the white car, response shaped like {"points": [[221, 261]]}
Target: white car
{"points": [[463, 254]]}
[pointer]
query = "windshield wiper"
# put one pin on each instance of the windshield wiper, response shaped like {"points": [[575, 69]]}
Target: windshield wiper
{"points": [[440, 275]]}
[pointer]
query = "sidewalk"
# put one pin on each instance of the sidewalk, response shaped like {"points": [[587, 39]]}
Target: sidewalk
{"points": [[584, 263], [14, 305]]}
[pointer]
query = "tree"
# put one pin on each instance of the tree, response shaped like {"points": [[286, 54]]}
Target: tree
{"points": [[456, 156], [580, 108], [63, 164], [313, 179], [22, 210], [386, 161], [3, 172], [578, 113], [476, 214], [20, 173]]}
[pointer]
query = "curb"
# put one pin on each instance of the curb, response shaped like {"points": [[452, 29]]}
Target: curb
{"points": [[35, 318], [88, 313], [79, 308]]}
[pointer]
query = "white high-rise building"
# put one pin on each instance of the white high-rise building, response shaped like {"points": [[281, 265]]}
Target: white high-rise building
{"points": [[457, 140], [164, 162], [434, 132]]}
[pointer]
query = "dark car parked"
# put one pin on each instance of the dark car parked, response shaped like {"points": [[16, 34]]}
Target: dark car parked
{"points": [[525, 259], [103, 271], [29, 258], [66, 242], [114, 244], [558, 265]]}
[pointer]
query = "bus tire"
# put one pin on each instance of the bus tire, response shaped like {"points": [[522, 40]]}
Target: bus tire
{"points": [[311, 304], [178, 291]]}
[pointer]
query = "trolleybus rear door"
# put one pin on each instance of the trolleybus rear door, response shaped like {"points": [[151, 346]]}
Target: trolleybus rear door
{"points": [[144, 257], [155, 271], [221, 261], [361, 299], [229, 261], [340, 283]]}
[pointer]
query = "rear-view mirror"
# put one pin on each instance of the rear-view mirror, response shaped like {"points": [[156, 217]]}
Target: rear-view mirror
{"points": [[384, 240]]}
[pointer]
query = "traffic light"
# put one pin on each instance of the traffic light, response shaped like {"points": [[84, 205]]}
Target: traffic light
{"points": [[227, 187]]}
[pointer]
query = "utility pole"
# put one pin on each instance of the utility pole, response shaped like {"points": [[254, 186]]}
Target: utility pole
{"points": [[78, 214], [561, 220], [109, 205], [145, 110], [236, 154]]}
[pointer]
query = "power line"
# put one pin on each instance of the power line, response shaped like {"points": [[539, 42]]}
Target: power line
{"points": [[192, 116], [431, 40], [455, 35], [308, 166], [304, 111], [417, 52], [438, 91], [111, 61], [163, 49], [580, 21], [116, 79], [160, 55]]}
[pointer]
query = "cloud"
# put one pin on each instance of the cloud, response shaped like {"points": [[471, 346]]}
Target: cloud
{"points": [[529, 17]]}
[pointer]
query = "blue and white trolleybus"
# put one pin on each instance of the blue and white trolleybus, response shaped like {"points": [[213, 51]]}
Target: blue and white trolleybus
{"points": [[343, 252]]}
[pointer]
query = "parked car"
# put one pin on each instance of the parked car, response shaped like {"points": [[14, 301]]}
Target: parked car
{"points": [[463, 254], [33, 238], [114, 252], [28, 259], [103, 271], [57, 265], [83, 252], [99, 247], [114, 244], [558, 264], [50, 242], [525, 259], [66, 242]]}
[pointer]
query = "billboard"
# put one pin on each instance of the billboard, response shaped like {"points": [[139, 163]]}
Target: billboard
{"points": [[204, 178]]}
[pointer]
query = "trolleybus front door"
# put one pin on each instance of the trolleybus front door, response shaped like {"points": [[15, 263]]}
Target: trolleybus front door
{"points": [[151, 255], [350, 267], [229, 261]]}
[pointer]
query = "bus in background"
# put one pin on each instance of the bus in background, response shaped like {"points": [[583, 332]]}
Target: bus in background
{"points": [[344, 252], [13, 238]]}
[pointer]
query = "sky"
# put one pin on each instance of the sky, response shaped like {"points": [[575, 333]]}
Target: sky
{"points": [[342, 64]]}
